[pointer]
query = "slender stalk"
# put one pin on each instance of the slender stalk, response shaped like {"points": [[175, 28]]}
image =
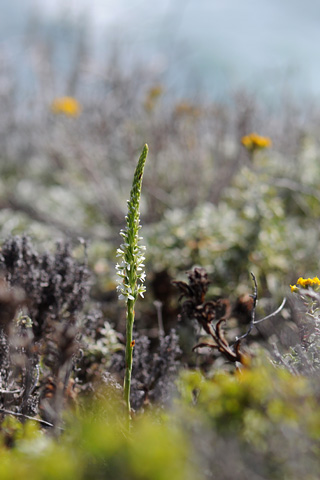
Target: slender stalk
{"points": [[129, 353], [130, 270]]}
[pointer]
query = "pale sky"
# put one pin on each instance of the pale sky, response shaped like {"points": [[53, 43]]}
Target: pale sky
{"points": [[234, 41]]}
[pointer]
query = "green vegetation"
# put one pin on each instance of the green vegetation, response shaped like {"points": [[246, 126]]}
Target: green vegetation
{"points": [[263, 421]]}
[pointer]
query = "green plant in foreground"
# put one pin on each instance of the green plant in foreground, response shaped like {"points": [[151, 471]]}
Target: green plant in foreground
{"points": [[130, 270]]}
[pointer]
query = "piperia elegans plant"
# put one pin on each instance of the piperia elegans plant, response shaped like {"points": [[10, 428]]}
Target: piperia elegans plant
{"points": [[131, 268]]}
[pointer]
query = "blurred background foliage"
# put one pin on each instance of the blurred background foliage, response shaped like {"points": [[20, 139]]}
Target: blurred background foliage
{"points": [[206, 200]]}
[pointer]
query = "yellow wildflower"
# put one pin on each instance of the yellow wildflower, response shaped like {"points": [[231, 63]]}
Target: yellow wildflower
{"points": [[155, 91], [254, 142], [152, 97], [186, 109], [305, 283], [66, 105]]}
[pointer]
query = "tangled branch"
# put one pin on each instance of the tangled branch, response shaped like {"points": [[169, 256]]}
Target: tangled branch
{"points": [[212, 315]]}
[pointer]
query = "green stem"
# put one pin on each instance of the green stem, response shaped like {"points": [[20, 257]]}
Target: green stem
{"points": [[129, 351], [130, 270]]}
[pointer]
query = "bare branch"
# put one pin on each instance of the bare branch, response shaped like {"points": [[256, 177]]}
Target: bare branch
{"points": [[273, 314], [21, 415], [253, 311], [11, 392]]}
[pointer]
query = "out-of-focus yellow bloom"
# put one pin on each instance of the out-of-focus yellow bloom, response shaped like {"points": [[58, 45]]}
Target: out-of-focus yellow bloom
{"points": [[254, 142], [66, 105], [152, 96], [305, 283], [186, 109]]}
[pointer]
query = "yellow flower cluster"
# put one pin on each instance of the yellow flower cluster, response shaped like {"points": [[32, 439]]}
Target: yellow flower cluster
{"points": [[66, 105], [186, 109], [305, 283], [254, 142], [152, 97]]}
